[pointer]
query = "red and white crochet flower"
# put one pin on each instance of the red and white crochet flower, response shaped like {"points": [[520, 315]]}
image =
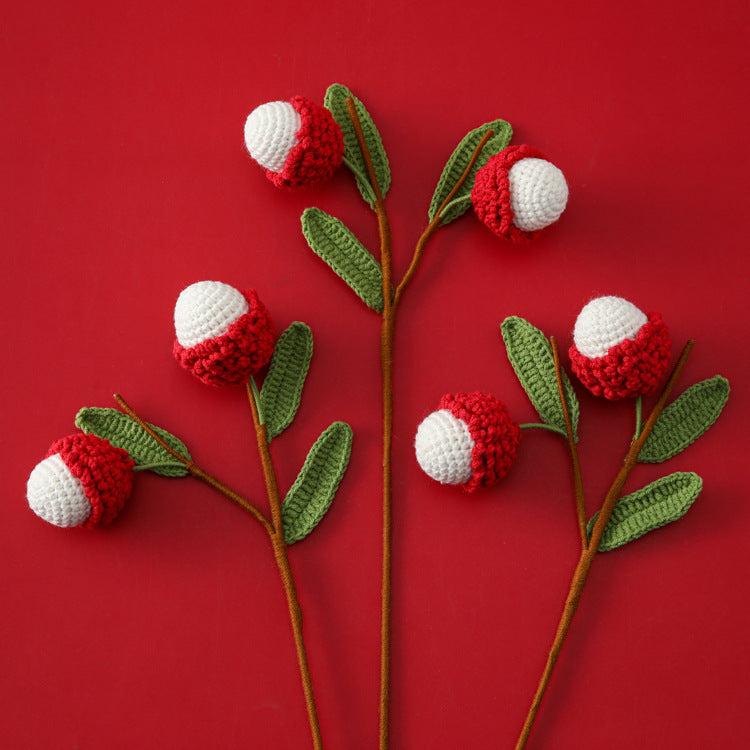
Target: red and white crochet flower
{"points": [[471, 440], [83, 481], [223, 336], [298, 142], [518, 193], [618, 351]]}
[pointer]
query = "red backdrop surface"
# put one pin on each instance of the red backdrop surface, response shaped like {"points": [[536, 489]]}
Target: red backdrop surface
{"points": [[125, 179]]}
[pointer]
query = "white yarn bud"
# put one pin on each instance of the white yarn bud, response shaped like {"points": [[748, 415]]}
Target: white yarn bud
{"points": [[205, 310], [605, 322], [538, 193], [55, 495], [271, 133], [444, 447]]}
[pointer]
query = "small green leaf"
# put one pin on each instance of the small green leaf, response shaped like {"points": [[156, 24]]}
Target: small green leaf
{"points": [[125, 433], [335, 101], [282, 388], [685, 419], [457, 164], [530, 353], [311, 494], [657, 504], [334, 242]]}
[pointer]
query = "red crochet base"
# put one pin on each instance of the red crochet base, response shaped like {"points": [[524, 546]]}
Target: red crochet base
{"points": [[491, 193], [318, 151], [631, 368], [105, 472], [235, 355], [496, 436]]}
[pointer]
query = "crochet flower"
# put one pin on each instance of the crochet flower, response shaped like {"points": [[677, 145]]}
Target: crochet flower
{"points": [[471, 440], [297, 142], [223, 335], [618, 351], [83, 481], [518, 193]]}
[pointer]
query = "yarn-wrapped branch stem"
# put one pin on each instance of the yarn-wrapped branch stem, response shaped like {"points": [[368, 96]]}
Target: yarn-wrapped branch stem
{"points": [[282, 561], [194, 470], [589, 552], [580, 499]]}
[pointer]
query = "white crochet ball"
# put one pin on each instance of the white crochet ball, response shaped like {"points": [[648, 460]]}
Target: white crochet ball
{"points": [[444, 446], [271, 133], [538, 193], [605, 322], [205, 310], [55, 495]]}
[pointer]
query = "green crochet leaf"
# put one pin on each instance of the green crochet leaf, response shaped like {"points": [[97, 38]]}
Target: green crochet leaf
{"points": [[335, 101], [329, 238], [127, 434], [657, 504], [685, 419], [311, 494], [457, 164], [282, 388], [530, 353]]}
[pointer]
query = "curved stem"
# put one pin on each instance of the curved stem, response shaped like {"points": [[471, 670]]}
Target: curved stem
{"points": [[589, 552], [433, 225], [196, 471], [577, 477], [282, 562], [638, 417], [542, 426]]}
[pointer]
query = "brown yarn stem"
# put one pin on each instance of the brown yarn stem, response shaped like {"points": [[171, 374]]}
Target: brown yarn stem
{"points": [[576, 464], [194, 470], [589, 552], [285, 570], [433, 225]]}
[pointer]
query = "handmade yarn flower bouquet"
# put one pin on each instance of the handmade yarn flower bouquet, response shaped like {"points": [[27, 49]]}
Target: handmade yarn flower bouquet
{"points": [[225, 337]]}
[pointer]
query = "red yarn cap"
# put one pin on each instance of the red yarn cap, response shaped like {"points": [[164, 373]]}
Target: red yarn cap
{"points": [[631, 368], [235, 355], [106, 473], [491, 193], [318, 151], [496, 436]]}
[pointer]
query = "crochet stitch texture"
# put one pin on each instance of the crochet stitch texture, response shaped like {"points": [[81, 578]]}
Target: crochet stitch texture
{"points": [[496, 436], [518, 206], [104, 472], [631, 368], [232, 357]]}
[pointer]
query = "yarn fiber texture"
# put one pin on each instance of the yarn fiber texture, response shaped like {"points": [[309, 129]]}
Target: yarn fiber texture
{"points": [[233, 356], [103, 472], [494, 434], [634, 367], [311, 155], [515, 198]]}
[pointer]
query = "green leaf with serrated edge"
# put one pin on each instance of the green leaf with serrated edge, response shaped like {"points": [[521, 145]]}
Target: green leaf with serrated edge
{"points": [[657, 504], [334, 242], [684, 420], [125, 433], [530, 354], [457, 164], [282, 388], [311, 494], [335, 101]]}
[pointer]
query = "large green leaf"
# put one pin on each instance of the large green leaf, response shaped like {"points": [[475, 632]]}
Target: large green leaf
{"points": [[685, 419], [334, 242], [282, 388], [335, 101], [125, 433], [530, 353], [458, 163], [657, 504], [311, 494]]}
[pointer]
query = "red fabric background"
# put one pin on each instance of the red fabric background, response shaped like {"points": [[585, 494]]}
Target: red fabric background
{"points": [[125, 179]]}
